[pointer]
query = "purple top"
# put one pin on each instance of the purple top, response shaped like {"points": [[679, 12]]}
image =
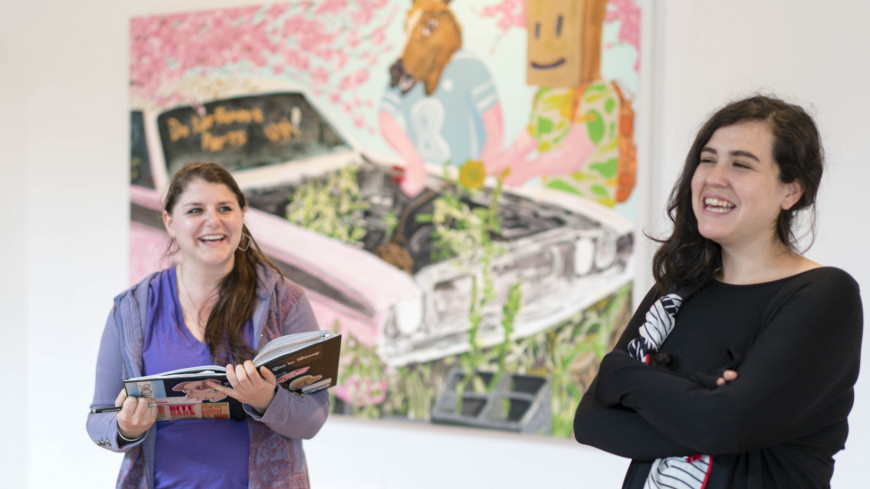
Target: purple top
{"points": [[185, 454]]}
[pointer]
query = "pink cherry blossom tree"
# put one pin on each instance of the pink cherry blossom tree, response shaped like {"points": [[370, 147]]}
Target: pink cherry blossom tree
{"points": [[328, 46]]}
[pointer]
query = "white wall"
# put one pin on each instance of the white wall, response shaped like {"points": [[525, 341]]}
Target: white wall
{"points": [[13, 248], [63, 126]]}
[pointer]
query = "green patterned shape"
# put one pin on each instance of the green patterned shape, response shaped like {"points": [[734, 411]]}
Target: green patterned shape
{"points": [[559, 184], [610, 105], [608, 169], [599, 190], [553, 102], [594, 93], [545, 126], [595, 126]]}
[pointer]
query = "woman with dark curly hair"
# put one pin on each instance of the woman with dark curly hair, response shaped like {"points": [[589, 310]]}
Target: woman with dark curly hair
{"points": [[737, 369]]}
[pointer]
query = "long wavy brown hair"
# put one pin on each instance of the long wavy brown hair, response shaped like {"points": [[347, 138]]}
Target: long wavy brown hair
{"points": [[237, 293], [686, 261]]}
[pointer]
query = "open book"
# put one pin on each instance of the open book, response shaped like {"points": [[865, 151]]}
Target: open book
{"points": [[303, 363]]}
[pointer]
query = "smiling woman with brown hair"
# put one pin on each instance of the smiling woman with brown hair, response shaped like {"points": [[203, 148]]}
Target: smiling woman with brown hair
{"points": [[222, 302], [737, 369]]}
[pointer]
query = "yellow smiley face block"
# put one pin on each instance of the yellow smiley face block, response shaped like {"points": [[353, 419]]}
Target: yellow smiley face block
{"points": [[555, 42]]}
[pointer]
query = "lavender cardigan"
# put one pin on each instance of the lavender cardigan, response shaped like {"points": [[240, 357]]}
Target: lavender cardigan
{"points": [[276, 455]]}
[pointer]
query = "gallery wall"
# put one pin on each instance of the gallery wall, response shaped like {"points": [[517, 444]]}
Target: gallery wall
{"points": [[63, 69]]}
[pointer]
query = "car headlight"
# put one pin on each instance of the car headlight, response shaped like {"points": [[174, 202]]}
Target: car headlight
{"points": [[408, 314], [452, 298], [584, 255], [605, 252]]}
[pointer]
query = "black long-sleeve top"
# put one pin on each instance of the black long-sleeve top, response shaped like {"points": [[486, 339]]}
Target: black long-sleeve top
{"points": [[796, 345]]}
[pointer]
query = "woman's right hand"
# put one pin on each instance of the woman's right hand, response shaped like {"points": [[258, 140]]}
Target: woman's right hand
{"points": [[727, 376], [135, 416]]}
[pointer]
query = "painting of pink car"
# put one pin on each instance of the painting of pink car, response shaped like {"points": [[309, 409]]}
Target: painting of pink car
{"points": [[566, 252]]}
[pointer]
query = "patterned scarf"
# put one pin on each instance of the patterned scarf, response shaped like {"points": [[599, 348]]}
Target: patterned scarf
{"points": [[689, 472]]}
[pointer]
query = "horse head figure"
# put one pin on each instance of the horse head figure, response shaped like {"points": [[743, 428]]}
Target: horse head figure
{"points": [[432, 36]]}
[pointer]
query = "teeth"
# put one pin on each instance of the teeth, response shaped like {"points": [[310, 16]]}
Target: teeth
{"points": [[212, 237], [716, 205]]}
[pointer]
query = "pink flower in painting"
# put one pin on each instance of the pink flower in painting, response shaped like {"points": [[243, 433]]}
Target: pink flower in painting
{"points": [[296, 59], [341, 60], [628, 13], [275, 10], [331, 7], [378, 36], [361, 76], [319, 76], [353, 39], [330, 44], [362, 392], [346, 83], [508, 14]]}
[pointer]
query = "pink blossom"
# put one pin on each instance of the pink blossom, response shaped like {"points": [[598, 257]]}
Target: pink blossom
{"points": [[628, 13], [331, 7], [319, 76], [341, 60], [378, 36], [361, 76], [346, 83], [323, 42], [362, 392], [508, 14]]}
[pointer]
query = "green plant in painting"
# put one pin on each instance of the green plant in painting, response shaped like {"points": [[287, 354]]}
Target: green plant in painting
{"points": [[568, 354], [463, 231], [333, 207]]}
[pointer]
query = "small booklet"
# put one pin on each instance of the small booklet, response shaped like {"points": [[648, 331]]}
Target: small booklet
{"points": [[303, 363]]}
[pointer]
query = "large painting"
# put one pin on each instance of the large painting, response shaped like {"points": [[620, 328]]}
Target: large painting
{"points": [[450, 181]]}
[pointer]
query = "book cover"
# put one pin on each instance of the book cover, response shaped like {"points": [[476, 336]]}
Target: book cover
{"points": [[303, 363]]}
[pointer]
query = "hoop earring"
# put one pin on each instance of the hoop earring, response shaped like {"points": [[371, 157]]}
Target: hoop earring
{"points": [[247, 243]]}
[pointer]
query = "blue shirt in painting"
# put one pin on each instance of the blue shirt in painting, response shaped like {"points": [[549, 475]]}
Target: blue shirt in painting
{"points": [[448, 125]]}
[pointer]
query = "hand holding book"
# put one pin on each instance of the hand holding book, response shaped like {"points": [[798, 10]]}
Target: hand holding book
{"points": [[136, 415], [250, 386]]}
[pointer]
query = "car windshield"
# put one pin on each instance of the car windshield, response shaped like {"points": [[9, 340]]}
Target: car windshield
{"points": [[140, 160], [247, 132]]}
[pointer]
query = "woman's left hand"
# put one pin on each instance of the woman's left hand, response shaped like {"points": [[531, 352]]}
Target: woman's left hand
{"points": [[249, 386]]}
